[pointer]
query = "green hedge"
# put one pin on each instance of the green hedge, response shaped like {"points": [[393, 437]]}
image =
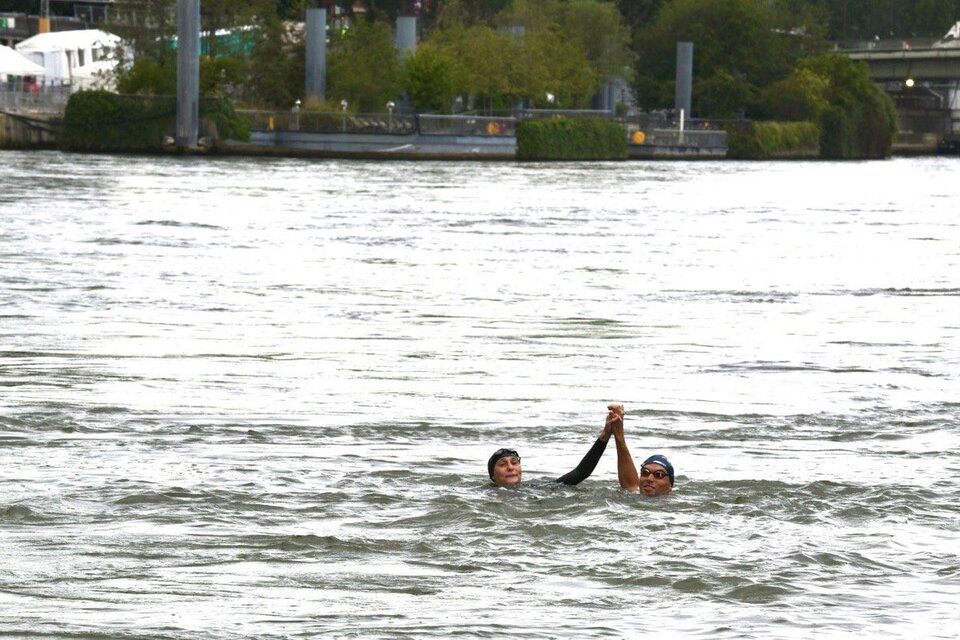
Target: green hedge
{"points": [[864, 130], [766, 140], [105, 121], [571, 139]]}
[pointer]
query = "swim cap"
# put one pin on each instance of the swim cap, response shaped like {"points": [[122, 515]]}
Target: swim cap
{"points": [[663, 462], [499, 453]]}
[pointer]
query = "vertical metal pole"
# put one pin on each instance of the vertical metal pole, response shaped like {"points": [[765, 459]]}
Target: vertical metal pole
{"points": [[684, 88], [188, 73], [316, 63]]}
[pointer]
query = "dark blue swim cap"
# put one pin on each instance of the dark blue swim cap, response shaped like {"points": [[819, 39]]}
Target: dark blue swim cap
{"points": [[663, 462]]}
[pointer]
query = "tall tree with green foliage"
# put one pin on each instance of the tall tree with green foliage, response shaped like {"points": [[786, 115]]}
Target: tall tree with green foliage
{"points": [[484, 55], [363, 67], [558, 66], [737, 50], [600, 30], [860, 120], [277, 65], [431, 76]]}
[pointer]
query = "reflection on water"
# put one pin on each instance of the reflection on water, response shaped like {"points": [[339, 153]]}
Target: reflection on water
{"points": [[255, 398]]}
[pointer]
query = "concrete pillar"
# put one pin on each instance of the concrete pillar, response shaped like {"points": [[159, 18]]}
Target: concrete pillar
{"points": [[316, 53], [406, 36], [188, 73], [684, 89]]}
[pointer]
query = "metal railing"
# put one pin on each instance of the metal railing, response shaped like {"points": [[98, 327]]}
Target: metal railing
{"points": [[330, 122], [467, 125], [657, 131], [43, 100], [676, 138]]}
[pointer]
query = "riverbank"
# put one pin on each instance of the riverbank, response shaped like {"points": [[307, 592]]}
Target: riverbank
{"points": [[442, 139], [29, 130]]}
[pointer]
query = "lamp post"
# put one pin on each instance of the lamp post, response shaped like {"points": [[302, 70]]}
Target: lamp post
{"points": [[390, 107], [343, 108], [295, 124]]}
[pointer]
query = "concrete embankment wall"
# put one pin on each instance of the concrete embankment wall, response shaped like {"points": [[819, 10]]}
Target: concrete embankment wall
{"points": [[28, 131], [410, 146]]}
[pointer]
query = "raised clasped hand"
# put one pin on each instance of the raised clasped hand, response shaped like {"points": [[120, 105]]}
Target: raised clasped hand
{"points": [[614, 421]]}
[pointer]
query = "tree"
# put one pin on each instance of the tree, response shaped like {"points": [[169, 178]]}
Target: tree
{"points": [[364, 69], [723, 95], [798, 97], [556, 65], [737, 36], [485, 56], [277, 65], [858, 120], [431, 76], [600, 30]]}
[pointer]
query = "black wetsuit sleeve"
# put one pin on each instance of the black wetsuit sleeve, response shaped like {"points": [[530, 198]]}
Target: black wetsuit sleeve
{"points": [[586, 466]]}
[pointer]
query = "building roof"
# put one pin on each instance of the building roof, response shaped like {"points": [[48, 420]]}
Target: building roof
{"points": [[60, 40]]}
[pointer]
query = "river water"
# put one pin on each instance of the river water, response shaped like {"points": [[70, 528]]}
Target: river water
{"points": [[255, 397]]}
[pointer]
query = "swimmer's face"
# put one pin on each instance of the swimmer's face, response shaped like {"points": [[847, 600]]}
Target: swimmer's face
{"points": [[650, 484], [506, 471]]}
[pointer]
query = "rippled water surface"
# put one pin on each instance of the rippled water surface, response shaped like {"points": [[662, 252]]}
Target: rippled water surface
{"points": [[255, 398]]}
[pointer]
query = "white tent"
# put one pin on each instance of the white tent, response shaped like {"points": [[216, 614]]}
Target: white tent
{"points": [[15, 64], [954, 32], [96, 75], [60, 52]]}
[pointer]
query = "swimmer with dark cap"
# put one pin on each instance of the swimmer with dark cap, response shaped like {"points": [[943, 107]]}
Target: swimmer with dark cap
{"points": [[504, 465], [656, 472]]}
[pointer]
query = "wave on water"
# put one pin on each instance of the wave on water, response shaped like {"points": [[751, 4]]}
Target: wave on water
{"points": [[20, 514], [178, 223]]}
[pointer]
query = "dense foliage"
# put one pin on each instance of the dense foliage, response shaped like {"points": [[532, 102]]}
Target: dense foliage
{"points": [[105, 121], [571, 139], [755, 58], [859, 120], [766, 140]]}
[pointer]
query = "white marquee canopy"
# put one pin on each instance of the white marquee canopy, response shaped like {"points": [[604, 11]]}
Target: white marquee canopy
{"points": [[13, 63]]}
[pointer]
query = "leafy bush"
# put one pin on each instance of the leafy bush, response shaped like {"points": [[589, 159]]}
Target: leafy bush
{"points": [[571, 139], [764, 140], [860, 120], [105, 121]]}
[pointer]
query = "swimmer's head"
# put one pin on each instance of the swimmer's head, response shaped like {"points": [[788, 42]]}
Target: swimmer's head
{"points": [[504, 467], [663, 462]]}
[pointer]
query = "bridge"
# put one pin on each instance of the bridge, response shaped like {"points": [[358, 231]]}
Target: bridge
{"points": [[924, 81]]}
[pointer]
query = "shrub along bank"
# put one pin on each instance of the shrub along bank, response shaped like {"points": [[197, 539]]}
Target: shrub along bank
{"points": [[773, 140], [105, 121], [571, 139]]}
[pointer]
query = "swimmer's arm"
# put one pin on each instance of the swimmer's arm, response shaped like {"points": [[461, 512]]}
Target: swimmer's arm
{"points": [[589, 461], [626, 470]]}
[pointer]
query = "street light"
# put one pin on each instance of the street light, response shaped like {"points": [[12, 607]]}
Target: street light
{"points": [[295, 126], [390, 106], [343, 107]]}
